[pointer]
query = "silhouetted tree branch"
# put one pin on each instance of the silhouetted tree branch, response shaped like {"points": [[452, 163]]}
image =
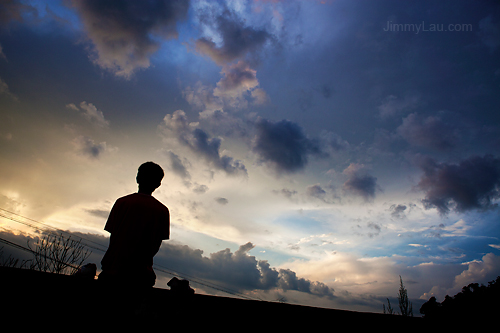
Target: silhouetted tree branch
{"points": [[56, 254]]}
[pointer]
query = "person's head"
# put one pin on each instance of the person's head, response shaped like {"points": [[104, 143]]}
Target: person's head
{"points": [[149, 177]]}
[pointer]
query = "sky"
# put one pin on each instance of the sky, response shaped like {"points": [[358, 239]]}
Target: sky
{"points": [[314, 151]]}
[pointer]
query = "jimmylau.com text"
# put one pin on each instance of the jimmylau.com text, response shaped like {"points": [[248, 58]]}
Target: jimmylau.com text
{"points": [[427, 27]]}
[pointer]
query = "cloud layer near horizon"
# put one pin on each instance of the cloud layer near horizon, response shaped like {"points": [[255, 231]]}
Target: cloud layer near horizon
{"points": [[306, 129]]}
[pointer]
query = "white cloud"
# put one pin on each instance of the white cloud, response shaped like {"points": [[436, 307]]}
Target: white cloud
{"points": [[93, 115], [479, 270], [90, 112]]}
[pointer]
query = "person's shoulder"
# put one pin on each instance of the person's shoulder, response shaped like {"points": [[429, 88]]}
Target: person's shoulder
{"points": [[127, 197], [160, 204]]}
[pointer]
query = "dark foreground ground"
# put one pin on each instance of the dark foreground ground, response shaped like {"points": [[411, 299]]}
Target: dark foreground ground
{"points": [[31, 299]]}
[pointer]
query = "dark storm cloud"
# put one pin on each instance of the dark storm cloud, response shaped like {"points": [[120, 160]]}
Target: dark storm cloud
{"points": [[432, 132], [474, 183], [238, 270], [363, 186], [360, 183], [288, 280], [209, 148], [284, 146], [238, 40], [121, 31], [200, 142]]}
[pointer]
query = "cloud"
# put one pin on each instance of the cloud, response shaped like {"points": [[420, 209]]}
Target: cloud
{"points": [[125, 34], [13, 10], [4, 90], [489, 32], [238, 270], [200, 189], [393, 105], [90, 112], [199, 142], [287, 280], [432, 132], [239, 83], [285, 192], [316, 191], [284, 146], [178, 166], [325, 194], [225, 123], [222, 201], [333, 142], [473, 183], [360, 183], [479, 270], [85, 146], [237, 88], [2, 55], [202, 97], [98, 212], [398, 211], [234, 39]]}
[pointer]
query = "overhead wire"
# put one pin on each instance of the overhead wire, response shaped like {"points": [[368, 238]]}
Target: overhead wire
{"points": [[158, 267], [33, 252]]}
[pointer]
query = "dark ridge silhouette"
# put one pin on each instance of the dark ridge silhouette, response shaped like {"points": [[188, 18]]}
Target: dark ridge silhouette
{"points": [[33, 299]]}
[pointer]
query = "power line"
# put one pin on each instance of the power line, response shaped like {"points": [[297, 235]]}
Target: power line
{"points": [[35, 253], [47, 226], [156, 266]]}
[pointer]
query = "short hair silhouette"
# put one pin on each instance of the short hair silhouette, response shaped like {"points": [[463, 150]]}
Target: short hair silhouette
{"points": [[150, 175]]}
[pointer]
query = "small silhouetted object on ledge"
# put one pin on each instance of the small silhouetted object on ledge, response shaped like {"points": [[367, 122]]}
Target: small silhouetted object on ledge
{"points": [[86, 272], [180, 287]]}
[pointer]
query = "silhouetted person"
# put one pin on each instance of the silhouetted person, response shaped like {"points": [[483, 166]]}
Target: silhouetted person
{"points": [[138, 224]]}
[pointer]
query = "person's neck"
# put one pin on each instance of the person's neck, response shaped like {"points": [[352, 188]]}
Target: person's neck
{"points": [[145, 191]]}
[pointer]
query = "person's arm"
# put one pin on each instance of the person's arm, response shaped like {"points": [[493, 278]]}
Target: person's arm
{"points": [[165, 227], [110, 223]]}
